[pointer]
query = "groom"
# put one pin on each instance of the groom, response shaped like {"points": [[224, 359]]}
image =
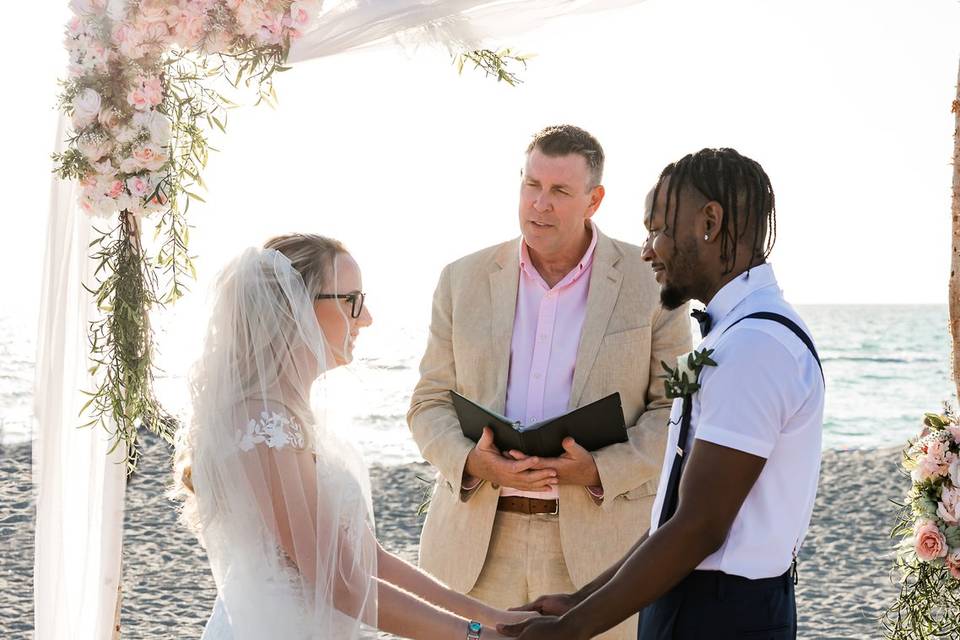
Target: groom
{"points": [[741, 466], [533, 327]]}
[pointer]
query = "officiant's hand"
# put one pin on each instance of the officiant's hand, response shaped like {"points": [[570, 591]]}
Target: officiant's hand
{"points": [[575, 466], [485, 461]]}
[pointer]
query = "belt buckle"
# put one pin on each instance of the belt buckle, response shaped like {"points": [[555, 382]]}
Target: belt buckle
{"points": [[556, 508]]}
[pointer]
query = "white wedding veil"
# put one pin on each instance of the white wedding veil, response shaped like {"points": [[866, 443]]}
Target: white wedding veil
{"points": [[281, 504]]}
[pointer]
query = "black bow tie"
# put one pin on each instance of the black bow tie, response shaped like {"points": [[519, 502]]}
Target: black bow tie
{"points": [[703, 319]]}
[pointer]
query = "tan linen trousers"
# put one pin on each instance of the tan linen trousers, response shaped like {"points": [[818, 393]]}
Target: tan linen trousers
{"points": [[525, 561]]}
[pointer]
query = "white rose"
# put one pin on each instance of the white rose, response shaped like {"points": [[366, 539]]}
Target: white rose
{"points": [[683, 367], [103, 167], [129, 165], [156, 124], [117, 9], [94, 148], [125, 135], [955, 472], [86, 107]]}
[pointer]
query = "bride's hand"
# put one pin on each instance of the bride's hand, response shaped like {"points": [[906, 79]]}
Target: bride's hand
{"points": [[512, 617]]}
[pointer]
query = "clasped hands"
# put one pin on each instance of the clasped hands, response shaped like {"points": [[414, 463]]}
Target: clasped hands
{"points": [[518, 471]]}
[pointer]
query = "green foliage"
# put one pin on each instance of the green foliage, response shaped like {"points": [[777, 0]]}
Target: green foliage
{"points": [[679, 383], [121, 343], [496, 64]]}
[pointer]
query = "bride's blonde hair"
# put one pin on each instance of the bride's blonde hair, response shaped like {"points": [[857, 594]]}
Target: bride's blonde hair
{"points": [[312, 256]]}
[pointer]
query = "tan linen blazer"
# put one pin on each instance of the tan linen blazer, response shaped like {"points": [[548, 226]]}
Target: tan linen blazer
{"points": [[625, 335]]}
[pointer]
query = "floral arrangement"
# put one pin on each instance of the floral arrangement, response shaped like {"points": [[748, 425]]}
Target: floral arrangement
{"points": [[928, 527], [684, 380], [140, 95]]}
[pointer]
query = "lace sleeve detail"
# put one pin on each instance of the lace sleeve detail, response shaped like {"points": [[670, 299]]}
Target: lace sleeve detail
{"points": [[276, 430]]}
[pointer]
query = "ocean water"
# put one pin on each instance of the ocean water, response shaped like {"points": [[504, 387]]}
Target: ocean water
{"points": [[885, 366]]}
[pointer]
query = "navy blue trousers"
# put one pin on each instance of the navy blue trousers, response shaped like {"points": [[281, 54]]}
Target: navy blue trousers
{"points": [[710, 605]]}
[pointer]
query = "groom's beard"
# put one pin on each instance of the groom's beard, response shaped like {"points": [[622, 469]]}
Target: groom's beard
{"points": [[680, 284], [673, 297]]}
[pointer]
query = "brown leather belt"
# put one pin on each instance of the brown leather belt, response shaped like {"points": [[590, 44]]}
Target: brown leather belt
{"points": [[530, 506]]}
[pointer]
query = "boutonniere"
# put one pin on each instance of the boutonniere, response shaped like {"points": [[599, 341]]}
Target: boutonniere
{"points": [[685, 379]]}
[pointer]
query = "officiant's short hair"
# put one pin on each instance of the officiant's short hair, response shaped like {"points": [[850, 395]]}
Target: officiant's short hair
{"points": [[564, 139]]}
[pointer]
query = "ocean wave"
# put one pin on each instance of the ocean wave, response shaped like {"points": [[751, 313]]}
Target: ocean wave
{"points": [[881, 359]]}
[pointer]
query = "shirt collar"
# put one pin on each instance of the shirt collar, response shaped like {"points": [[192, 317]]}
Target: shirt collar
{"points": [[527, 266], [738, 289]]}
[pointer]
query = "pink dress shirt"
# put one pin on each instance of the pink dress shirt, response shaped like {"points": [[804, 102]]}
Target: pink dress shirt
{"points": [[543, 352]]}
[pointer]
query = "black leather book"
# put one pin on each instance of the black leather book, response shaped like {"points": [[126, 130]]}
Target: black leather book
{"points": [[593, 426]]}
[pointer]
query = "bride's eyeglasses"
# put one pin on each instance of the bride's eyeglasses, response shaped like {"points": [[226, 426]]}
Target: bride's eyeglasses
{"points": [[356, 300]]}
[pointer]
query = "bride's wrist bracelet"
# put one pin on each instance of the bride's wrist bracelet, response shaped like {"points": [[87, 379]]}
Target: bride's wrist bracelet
{"points": [[474, 629]]}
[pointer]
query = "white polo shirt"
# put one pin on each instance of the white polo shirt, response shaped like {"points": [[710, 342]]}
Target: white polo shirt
{"points": [[765, 397]]}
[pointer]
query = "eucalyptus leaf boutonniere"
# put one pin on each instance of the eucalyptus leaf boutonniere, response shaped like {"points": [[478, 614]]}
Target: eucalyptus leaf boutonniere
{"points": [[685, 379]]}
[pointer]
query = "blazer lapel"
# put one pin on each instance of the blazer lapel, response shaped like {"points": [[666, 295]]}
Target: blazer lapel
{"points": [[605, 281], [504, 282]]}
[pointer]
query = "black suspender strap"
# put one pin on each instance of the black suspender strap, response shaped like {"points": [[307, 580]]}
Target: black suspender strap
{"points": [[789, 324], [672, 493]]}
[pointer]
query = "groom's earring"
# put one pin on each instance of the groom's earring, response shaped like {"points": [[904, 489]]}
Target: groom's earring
{"points": [[706, 236]]}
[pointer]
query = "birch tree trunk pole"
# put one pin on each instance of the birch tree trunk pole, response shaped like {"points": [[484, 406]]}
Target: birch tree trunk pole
{"points": [[954, 286]]}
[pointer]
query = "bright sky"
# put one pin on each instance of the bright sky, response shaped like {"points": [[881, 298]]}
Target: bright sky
{"points": [[845, 103]]}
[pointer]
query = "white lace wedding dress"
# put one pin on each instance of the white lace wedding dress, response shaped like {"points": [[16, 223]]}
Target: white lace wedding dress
{"points": [[280, 502]]}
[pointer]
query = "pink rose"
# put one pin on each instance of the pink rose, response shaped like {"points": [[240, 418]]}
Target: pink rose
{"points": [[108, 118], [153, 10], [116, 188], [938, 449], [955, 432], [153, 90], [138, 186], [146, 93], [189, 30], [928, 542], [250, 18], [150, 156], [303, 14], [218, 42], [953, 564], [75, 26], [949, 507]]}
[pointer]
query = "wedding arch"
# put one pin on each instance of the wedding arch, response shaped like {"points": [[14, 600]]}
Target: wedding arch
{"points": [[148, 81], [927, 525]]}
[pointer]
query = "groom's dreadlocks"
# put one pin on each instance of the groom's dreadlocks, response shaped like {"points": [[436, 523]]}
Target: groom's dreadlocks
{"points": [[740, 186]]}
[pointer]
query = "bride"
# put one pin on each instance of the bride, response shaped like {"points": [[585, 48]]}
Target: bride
{"points": [[282, 505]]}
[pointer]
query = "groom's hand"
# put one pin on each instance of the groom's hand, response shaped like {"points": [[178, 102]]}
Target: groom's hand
{"points": [[555, 604], [575, 466], [486, 462]]}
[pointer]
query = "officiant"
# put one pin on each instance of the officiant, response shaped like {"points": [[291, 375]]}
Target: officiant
{"points": [[531, 328]]}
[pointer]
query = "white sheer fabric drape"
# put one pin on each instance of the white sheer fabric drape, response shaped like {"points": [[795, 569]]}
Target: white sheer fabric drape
{"points": [[459, 24], [78, 488]]}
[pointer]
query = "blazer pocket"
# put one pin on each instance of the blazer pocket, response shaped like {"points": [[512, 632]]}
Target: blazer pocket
{"points": [[630, 335], [646, 490]]}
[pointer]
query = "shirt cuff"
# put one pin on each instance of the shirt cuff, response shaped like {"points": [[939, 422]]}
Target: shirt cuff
{"points": [[734, 440], [469, 483]]}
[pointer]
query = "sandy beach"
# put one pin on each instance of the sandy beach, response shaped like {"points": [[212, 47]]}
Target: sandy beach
{"points": [[845, 581]]}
